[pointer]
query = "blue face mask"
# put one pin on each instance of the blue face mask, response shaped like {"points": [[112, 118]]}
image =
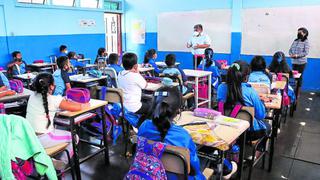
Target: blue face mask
{"points": [[279, 59]]}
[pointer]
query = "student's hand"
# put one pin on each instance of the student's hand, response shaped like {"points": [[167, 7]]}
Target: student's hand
{"points": [[3, 88], [85, 105], [196, 46]]}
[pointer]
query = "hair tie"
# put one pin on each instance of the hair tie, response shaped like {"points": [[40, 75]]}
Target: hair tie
{"points": [[41, 81], [236, 65]]}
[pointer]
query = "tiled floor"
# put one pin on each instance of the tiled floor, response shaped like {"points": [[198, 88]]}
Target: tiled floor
{"points": [[297, 150]]}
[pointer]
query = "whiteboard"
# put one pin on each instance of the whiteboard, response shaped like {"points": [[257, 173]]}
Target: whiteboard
{"points": [[176, 28], [267, 30]]}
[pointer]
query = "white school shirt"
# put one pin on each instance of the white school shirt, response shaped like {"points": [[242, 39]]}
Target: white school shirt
{"points": [[132, 85], [36, 114], [202, 39]]}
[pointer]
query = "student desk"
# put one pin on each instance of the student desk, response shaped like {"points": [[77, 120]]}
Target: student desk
{"points": [[155, 86], [3, 71], [71, 116], [218, 133], [85, 60], [145, 69], [19, 96], [86, 80], [89, 66], [197, 74], [279, 85], [40, 67], [27, 77], [164, 65]]}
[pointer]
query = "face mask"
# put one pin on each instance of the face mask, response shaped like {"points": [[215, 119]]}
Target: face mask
{"points": [[66, 52], [300, 36], [196, 33], [279, 59]]}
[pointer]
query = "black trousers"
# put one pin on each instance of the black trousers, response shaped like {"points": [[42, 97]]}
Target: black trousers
{"points": [[300, 68], [199, 59]]}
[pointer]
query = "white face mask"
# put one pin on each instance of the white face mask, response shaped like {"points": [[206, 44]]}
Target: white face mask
{"points": [[196, 33], [66, 52]]}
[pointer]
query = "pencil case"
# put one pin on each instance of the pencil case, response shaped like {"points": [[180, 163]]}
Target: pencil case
{"points": [[80, 95], [206, 113]]}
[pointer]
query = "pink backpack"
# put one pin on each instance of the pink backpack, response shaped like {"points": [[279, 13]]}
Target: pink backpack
{"points": [[80, 95], [206, 113], [16, 85]]}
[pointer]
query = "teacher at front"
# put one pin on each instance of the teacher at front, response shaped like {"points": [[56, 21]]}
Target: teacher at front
{"points": [[198, 43]]}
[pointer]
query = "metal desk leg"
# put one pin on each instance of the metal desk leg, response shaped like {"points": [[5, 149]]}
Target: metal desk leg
{"points": [[75, 149], [273, 135], [242, 142], [196, 92], [105, 140], [209, 91]]}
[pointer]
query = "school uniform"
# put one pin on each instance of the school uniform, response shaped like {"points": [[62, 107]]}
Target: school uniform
{"points": [[76, 63], [152, 62], [61, 54], [116, 67], [103, 59], [251, 99], [176, 136], [259, 77], [61, 77], [196, 40], [215, 76], [19, 69], [4, 80], [132, 85], [175, 71]]}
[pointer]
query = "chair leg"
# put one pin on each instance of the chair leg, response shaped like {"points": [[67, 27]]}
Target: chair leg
{"points": [[285, 114], [70, 164]]}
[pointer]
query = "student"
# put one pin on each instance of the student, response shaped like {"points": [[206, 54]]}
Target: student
{"points": [[63, 51], [165, 108], [41, 109], [259, 73], [208, 64], [101, 56], [4, 80], [17, 66], [61, 77], [74, 60], [237, 90], [279, 64], [113, 62], [132, 83], [149, 60]]}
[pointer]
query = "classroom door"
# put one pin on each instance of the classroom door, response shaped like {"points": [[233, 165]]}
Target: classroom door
{"points": [[113, 32]]}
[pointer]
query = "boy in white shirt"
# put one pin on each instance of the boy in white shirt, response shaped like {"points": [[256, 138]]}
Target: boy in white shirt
{"points": [[132, 83]]}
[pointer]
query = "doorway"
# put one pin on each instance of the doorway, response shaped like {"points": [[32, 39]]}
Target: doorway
{"points": [[113, 32]]}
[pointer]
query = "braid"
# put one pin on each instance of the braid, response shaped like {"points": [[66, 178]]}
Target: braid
{"points": [[161, 119], [44, 94]]}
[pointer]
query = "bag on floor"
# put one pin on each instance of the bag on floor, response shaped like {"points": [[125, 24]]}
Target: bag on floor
{"points": [[16, 85], [80, 95]]}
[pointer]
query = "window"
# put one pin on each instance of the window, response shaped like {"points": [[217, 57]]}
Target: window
{"points": [[63, 2], [33, 1], [90, 3]]}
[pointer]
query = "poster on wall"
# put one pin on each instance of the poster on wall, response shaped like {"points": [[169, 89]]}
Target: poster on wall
{"points": [[138, 32]]}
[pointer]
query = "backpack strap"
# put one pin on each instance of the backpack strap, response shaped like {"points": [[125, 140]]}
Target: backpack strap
{"points": [[235, 110], [221, 107]]}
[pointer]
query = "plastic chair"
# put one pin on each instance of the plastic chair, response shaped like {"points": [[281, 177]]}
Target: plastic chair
{"points": [[113, 74]]}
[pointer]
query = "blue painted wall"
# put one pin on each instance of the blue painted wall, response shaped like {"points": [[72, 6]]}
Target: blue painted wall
{"points": [[38, 31], [149, 10]]}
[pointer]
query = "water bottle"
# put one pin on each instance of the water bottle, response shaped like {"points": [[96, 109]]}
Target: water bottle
{"points": [[2, 109]]}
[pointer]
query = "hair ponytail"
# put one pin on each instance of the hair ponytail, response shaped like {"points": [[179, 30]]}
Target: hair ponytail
{"points": [[44, 94], [148, 55], [161, 119]]}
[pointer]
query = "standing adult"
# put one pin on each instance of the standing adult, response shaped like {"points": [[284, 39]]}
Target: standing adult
{"points": [[198, 43], [299, 51]]}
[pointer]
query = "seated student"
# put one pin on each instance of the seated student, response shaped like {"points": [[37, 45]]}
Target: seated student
{"points": [[74, 60], [4, 80], [132, 83], [113, 62], [17, 66], [259, 73], [279, 64], [161, 128], [102, 56], [61, 77], [149, 60], [237, 90], [63, 51], [208, 64], [41, 109]]}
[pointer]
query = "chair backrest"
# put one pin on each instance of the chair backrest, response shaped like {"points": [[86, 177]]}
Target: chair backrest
{"points": [[114, 95], [246, 113], [112, 73], [175, 78]]}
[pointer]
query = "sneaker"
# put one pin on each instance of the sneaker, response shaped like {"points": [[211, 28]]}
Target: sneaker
{"points": [[233, 168], [59, 165]]}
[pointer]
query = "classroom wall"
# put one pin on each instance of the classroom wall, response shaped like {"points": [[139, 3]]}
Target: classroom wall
{"points": [[149, 10], [38, 31]]}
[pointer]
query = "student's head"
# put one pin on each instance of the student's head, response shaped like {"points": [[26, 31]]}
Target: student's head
{"points": [[130, 61], [258, 64], [170, 60], [113, 58], [208, 56], [279, 63], [150, 54], [63, 63], [16, 55], [237, 74], [302, 34], [44, 85], [72, 55], [63, 49], [102, 52], [198, 28], [166, 105]]}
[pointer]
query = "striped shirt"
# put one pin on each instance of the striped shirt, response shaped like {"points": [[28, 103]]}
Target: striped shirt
{"points": [[301, 48]]}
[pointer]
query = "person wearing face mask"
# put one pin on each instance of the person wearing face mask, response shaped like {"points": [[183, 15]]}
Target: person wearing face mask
{"points": [[17, 66], [279, 64], [299, 51], [198, 43], [61, 77], [63, 51]]}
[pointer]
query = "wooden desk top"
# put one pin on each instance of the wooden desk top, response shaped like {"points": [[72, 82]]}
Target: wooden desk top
{"points": [[91, 65], [156, 86], [39, 65], [26, 76], [85, 79], [145, 69], [26, 93], [163, 64], [56, 149], [94, 104], [219, 132], [271, 101], [279, 85], [196, 73], [85, 59]]}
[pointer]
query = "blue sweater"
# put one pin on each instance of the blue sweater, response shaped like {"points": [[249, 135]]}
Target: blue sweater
{"points": [[259, 77], [116, 67], [251, 99], [152, 62]]}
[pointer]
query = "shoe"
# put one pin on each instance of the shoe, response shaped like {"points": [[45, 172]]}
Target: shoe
{"points": [[59, 165], [234, 170]]}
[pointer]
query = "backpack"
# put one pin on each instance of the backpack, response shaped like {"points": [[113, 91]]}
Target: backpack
{"points": [[80, 95], [16, 85], [95, 73], [147, 163]]}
